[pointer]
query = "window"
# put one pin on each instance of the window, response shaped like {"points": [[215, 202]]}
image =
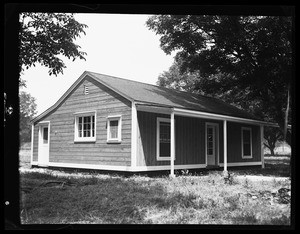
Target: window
{"points": [[85, 126], [246, 143], [210, 140], [163, 139], [114, 129], [45, 135]]}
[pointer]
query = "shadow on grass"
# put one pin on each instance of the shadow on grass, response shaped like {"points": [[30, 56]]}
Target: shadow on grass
{"points": [[277, 168], [103, 201], [126, 199]]}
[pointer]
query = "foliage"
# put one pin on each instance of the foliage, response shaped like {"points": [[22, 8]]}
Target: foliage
{"points": [[245, 60], [272, 136], [46, 36], [27, 112], [177, 80]]}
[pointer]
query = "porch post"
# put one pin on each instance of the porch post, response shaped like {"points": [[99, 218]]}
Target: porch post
{"points": [[262, 146], [225, 145], [172, 145], [32, 137]]}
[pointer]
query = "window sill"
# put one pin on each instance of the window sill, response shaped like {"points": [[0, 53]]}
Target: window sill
{"points": [[164, 158], [113, 142], [85, 140], [247, 157]]}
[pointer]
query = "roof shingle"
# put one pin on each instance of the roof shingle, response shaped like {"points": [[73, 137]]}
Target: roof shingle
{"points": [[161, 96]]}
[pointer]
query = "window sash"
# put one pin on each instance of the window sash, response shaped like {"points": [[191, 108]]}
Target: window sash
{"points": [[114, 129], [163, 139], [85, 127], [246, 143]]}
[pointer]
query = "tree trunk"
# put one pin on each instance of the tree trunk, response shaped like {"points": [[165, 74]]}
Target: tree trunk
{"points": [[286, 114], [272, 150]]}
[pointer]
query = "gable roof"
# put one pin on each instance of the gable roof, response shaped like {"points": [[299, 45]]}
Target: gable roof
{"points": [[161, 96], [157, 96]]}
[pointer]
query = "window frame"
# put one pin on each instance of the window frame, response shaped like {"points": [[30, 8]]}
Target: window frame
{"points": [[242, 141], [118, 139], [158, 121], [77, 138]]}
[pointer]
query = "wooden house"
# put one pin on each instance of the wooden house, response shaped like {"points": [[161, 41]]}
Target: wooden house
{"points": [[108, 123]]}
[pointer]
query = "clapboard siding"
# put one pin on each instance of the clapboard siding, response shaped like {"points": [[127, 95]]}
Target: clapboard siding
{"points": [[106, 103], [35, 144]]}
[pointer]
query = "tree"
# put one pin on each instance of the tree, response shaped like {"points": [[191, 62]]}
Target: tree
{"points": [[27, 112], [272, 137], [43, 37], [245, 59], [176, 80], [46, 36]]}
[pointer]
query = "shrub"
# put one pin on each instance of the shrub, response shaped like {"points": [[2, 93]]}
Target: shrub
{"points": [[230, 179]]}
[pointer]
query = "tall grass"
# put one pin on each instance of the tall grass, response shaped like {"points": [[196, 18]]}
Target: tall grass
{"points": [[186, 199]]}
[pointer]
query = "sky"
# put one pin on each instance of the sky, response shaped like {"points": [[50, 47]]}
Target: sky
{"points": [[116, 44]]}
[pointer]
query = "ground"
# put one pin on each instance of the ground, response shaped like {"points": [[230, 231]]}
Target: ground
{"points": [[252, 196]]}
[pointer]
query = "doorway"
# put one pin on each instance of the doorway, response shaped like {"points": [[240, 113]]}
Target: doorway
{"points": [[212, 144], [43, 149]]}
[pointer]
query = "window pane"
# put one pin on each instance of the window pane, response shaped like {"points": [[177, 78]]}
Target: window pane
{"points": [[113, 126], [87, 119], [246, 136], [45, 135], [247, 149], [164, 149]]}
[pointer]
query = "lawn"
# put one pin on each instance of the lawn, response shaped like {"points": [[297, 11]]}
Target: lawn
{"points": [[61, 197]]}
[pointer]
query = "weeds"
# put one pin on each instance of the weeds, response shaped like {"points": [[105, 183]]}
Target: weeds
{"points": [[138, 199]]}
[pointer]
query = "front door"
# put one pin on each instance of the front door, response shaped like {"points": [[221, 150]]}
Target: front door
{"points": [[211, 144], [43, 153]]}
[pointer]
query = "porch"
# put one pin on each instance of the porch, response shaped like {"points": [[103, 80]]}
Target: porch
{"points": [[207, 149]]}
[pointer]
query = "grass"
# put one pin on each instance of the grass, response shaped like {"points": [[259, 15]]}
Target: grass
{"points": [[189, 198]]}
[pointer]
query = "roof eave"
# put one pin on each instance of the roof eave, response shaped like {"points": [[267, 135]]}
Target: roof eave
{"points": [[193, 113], [83, 75]]}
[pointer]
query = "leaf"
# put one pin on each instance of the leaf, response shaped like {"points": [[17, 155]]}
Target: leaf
{"points": [[49, 35]]}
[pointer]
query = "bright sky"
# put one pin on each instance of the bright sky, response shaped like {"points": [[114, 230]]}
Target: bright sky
{"points": [[116, 44]]}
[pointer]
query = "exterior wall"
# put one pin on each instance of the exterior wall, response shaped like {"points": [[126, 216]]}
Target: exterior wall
{"points": [[189, 140], [105, 102], [234, 141]]}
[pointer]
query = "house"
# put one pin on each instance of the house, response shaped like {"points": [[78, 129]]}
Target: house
{"points": [[108, 123]]}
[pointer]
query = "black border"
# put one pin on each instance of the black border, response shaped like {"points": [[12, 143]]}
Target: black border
{"points": [[11, 75]]}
